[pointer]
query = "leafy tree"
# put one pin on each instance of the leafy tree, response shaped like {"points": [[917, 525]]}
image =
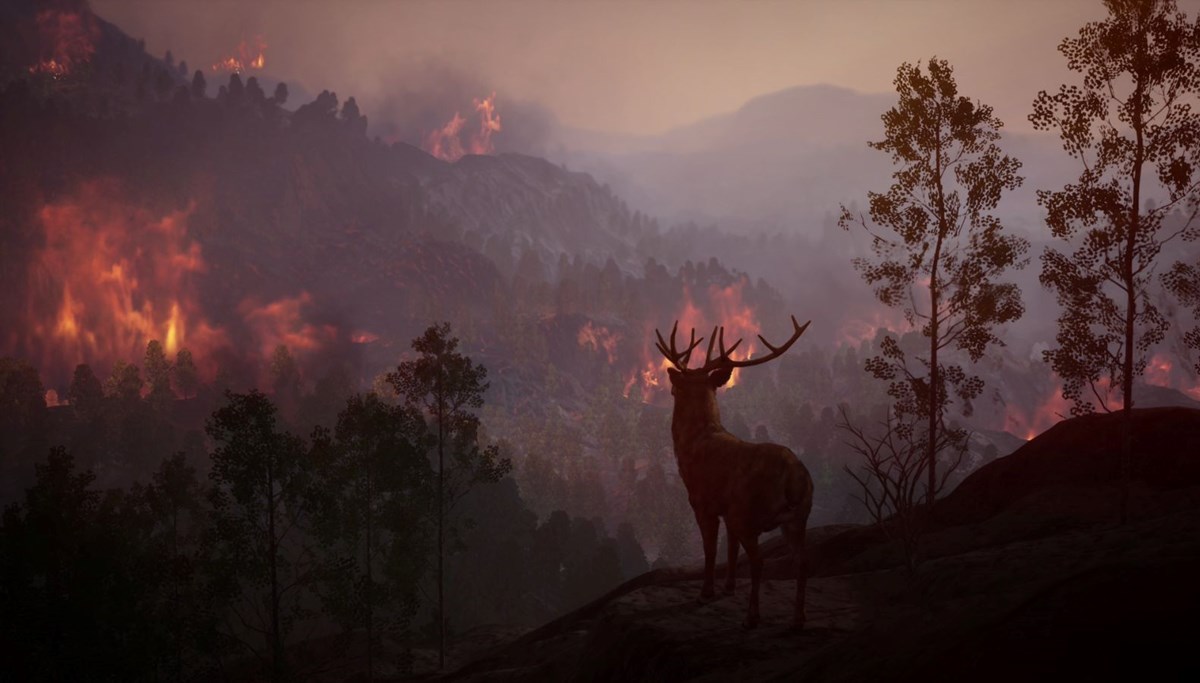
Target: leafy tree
{"points": [[1133, 129], [175, 502], [187, 378], [22, 410], [85, 394], [125, 383], [260, 500], [74, 581], [158, 373], [285, 374], [199, 85], [943, 251], [447, 387], [281, 93], [377, 485]]}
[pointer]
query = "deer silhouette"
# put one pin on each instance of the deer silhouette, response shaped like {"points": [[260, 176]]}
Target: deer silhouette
{"points": [[754, 487]]}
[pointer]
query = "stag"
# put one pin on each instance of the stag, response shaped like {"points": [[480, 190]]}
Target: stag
{"points": [[754, 487]]}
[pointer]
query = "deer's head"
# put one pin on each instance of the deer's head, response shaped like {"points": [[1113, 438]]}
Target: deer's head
{"points": [[695, 389]]}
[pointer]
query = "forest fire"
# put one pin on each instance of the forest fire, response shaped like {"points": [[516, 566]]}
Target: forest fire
{"points": [[281, 323], [447, 143], [599, 337], [863, 327], [724, 306], [66, 40], [247, 56], [112, 276]]}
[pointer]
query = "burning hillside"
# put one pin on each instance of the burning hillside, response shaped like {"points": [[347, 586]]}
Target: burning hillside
{"points": [[248, 55], [455, 139], [113, 273]]}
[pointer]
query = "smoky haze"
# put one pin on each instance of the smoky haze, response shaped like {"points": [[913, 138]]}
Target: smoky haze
{"points": [[749, 115], [626, 67]]}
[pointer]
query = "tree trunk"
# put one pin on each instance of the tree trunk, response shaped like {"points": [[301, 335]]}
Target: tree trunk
{"points": [[1129, 277], [272, 550], [370, 584], [441, 518]]}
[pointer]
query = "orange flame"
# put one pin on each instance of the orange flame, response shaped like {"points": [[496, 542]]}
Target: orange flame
{"points": [[1162, 371], [598, 337], [247, 56], [446, 143], [727, 308], [66, 40], [863, 327], [1051, 409], [281, 323], [110, 278]]}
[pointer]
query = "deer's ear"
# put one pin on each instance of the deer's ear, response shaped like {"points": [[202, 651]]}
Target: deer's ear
{"points": [[673, 374], [718, 378]]}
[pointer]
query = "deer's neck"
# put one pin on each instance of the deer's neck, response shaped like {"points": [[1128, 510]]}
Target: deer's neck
{"points": [[694, 420]]}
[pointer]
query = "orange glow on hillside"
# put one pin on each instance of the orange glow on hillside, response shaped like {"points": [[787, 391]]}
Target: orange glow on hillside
{"points": [[281, 323], [597, 337], [66, 41], [110, 277], [247, 56], [725, 306]]}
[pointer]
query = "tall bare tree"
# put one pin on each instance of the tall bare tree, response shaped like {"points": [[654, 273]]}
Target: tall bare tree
{"points": [[938, 249], [1132, 127]]}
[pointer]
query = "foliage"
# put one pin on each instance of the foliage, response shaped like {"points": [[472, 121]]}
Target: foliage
{"points": [[447, 387], [1132, 128], [187, 378], [374, 493], [940, 262], [260, 498]]}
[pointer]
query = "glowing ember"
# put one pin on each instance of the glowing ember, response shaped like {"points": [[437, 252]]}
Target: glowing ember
{"points": [[66, 40], [446, 143], [598, 337], [364, 337], [110, 277], [247, 56]]}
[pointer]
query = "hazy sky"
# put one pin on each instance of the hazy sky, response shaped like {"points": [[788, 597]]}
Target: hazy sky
{"points": [[630, 67]]}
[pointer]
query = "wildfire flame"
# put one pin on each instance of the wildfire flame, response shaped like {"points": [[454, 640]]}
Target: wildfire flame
{"points": [[67, 40], [727, 308], [246, 56], [446, 143], [598, 337], [863, 327], [112, 276], [281, 323]]}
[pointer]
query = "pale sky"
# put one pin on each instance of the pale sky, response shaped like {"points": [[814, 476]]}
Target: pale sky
{"points": [[628, 67]]}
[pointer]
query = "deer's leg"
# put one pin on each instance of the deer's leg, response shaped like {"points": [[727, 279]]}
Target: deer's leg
{"points": [[750, 543], [795, 538], [710, 526], [731, 566]]}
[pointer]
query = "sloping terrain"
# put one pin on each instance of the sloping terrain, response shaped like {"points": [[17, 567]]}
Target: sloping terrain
{"points": [[1026, 574]]}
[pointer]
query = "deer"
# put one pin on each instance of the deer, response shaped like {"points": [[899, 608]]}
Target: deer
{"points": [[754, 487]]}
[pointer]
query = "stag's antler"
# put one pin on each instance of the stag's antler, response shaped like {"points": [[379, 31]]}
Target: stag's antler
{"points": [[676, 356], [724, 361], [680, 358]]}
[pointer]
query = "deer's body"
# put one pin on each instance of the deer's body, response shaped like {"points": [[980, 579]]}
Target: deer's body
{"points": [[754, 487]]}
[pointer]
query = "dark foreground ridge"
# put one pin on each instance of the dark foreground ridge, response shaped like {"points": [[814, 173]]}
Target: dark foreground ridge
{"points": [[1026, 574]]}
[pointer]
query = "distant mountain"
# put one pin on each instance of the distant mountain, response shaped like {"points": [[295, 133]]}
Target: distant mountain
{"points": [[783, 161]]}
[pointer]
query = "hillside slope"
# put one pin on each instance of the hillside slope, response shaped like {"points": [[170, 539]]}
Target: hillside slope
{"points": [[1030, 582]]}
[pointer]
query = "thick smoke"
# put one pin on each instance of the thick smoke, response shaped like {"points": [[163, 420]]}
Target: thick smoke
{"points": [[420, 98]]}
